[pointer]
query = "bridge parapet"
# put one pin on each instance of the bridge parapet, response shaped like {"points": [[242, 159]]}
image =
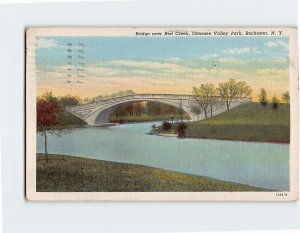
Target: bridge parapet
{"points": [[132, 97], [90, 112]]}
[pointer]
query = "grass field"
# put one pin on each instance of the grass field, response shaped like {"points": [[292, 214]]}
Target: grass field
{"points": [[72, 174], [248, 122], [144, 118]]}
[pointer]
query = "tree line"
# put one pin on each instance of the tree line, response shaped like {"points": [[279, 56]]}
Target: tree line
{"points": [[264, 101], [144, 107], [206, 95]]}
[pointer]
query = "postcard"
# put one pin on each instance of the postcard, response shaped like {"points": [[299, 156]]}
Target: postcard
{"points": [[162, 114]]}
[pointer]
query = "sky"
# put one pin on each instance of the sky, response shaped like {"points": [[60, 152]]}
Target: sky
{"points": [[164, 65]]}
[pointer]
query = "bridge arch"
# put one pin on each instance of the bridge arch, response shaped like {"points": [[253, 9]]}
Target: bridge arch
{"points": [[99, 112], [102, 114]]}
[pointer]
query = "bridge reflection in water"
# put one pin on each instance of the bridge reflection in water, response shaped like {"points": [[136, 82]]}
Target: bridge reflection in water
{"points": [[98, 113]]}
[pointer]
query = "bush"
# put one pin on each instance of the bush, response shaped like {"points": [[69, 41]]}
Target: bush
{"points": [[118, 121], [121, 121], [166, 126], [181, 129]]}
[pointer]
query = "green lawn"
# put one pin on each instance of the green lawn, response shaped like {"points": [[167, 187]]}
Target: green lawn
{"points": [[145, 117], [248, 122], [253, 114], [72, 174], [69, 120]]}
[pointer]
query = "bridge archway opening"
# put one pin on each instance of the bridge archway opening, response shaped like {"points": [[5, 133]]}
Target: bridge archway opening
{"points": [[143, 110]]}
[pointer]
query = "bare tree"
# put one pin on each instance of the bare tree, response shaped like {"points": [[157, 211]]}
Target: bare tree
{"points": [[181, 111], [196, 110], [286, 97], [275, 102], [232, 90], [205, 96], [263, 98], [213, 97], [244, 90]]}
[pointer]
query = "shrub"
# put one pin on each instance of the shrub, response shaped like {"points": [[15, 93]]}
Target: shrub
{"points": [[181, 129], [121, 121], [154, 126], [166, 125]]}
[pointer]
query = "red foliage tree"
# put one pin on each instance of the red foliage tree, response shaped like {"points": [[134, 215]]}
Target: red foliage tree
{"points": [[47, 118]]}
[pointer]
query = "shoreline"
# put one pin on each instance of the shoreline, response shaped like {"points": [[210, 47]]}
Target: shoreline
{"points": [[65, 173], [246, 123], [172, 134], [216, 139]]}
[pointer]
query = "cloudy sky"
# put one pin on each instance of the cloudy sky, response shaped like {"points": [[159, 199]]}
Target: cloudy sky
{"points": [[104, 65]]}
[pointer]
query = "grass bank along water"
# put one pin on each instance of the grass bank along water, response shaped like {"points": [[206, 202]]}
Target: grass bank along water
{"points": [[146, 118], [250, 122], [73, 174]]}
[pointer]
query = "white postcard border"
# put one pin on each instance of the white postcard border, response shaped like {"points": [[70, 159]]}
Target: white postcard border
{"points": [[31, 193]]}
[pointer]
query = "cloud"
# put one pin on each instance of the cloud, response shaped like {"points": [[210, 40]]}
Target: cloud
{"points": [[237, 50], [270, 44], [46, 43], [101, 71], [257, 50], [209, 56], [272, 73], [275, 44], [158, 70], [132, 64], [160, 76]]}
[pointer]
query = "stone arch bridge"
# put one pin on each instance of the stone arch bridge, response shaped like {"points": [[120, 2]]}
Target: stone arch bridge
{"points": [[98, 113]]}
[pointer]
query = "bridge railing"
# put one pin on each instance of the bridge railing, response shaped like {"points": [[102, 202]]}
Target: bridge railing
{"points": [[144, 96], [132, 96]]}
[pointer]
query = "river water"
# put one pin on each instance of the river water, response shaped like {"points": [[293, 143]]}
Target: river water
{"points": [[258, 164]]}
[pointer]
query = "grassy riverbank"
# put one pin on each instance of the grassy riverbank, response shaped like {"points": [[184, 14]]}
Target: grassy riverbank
{"points": [[72, 174], [249, 122], [145, 118]]}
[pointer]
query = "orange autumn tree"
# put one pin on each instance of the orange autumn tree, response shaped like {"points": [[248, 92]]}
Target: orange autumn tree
{"points": [[47, 118]]}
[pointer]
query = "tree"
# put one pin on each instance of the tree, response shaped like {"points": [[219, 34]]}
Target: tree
{"points": [[123, 93], [232, 90], [286, 97], [205, 95], [49, 96], [181, 111], [150, 107], [158, 109], [275, 105], [181, 130], [69, 100], [129, 109], [212, 97], [139, 107], [196, 110], [172, 118], [263, 98], [153, 126], [244, 90], [169, 109], [166, 125], [47, 118]]}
